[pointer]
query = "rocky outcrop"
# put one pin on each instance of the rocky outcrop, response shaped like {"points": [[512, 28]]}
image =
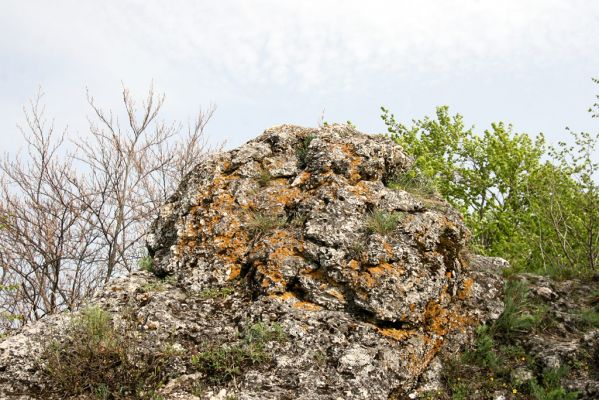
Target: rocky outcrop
{"points": [[298, 232]]}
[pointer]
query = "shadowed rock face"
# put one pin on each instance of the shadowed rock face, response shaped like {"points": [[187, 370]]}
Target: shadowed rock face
{"points": [[287, 224]]}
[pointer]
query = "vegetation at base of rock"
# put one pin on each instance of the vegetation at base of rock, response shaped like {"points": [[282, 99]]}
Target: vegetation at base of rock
{"points": [[533, 204], [223, 362], [159, 285], [383, 222], [520, 315], [261, 222], [498, 361], [99, 360]]}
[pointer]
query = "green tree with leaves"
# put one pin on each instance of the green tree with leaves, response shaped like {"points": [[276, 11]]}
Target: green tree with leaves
{"points": [[535, 205]]}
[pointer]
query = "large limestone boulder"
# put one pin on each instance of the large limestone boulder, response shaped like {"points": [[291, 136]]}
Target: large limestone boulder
{"points": [[298, 232]]}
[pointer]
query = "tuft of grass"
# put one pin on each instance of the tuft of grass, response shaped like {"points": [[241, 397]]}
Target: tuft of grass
{"points": [[158, 286], [259, 223], [298, 218], [383, 222], [264, 178], [302, 151], [222, 363], [414, 182], [520, 315], [215, 293], [96, 359], [589, 318], [146, 263], [356, 251], [550, 387], [483, 354]]}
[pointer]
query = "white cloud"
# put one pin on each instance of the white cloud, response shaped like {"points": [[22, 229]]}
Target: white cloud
{"points": [[308, 44], [271, 61]]}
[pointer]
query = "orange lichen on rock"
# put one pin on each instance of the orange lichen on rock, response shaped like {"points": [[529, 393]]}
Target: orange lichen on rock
{"points": [[466, 288], [234, 272], [397, 334], [302, 178], [284, 296], [436, 318], [354, 264], [380, 270], [306, 305], [354, 163], [441, 321], [336, 294]]}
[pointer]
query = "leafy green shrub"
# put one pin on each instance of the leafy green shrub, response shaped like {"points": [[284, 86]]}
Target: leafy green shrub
{"points": [[383, 222], [221, 363], [533, 204], [97, 359]]}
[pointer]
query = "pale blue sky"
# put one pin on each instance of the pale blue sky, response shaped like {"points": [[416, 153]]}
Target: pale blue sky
{"points": [[269, 62]]}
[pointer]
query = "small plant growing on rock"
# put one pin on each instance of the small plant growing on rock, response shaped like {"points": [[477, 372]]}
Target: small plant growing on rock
{"points": [[215, 293], [264, 178], [414, 182], [383, 222], [221, 363], [95, 358], [302, 151], [520, 314], [259, 223], [146, 263]]}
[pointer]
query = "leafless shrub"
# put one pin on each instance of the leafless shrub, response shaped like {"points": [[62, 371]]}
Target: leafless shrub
{"points": [[71, 220]]}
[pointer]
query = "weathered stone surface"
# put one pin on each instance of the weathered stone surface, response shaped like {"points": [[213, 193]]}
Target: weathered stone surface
{"points": [[282, 224]]}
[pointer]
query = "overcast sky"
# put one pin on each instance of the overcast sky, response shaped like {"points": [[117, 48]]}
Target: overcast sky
{"points": [[269, 62]]}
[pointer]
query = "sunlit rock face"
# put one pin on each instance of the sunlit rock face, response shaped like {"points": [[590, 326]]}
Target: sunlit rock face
{"points": [[299, 228]]}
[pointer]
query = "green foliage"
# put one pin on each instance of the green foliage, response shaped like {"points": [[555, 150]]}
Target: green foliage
{"points": [[221, 363], [520, 315], [535, 205], [550, 387], [589, 318], [483, 353], [8, 319], [264, 178], [383, 222], [157, 286], [97, 359], [146, 263], [302, 151]]}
